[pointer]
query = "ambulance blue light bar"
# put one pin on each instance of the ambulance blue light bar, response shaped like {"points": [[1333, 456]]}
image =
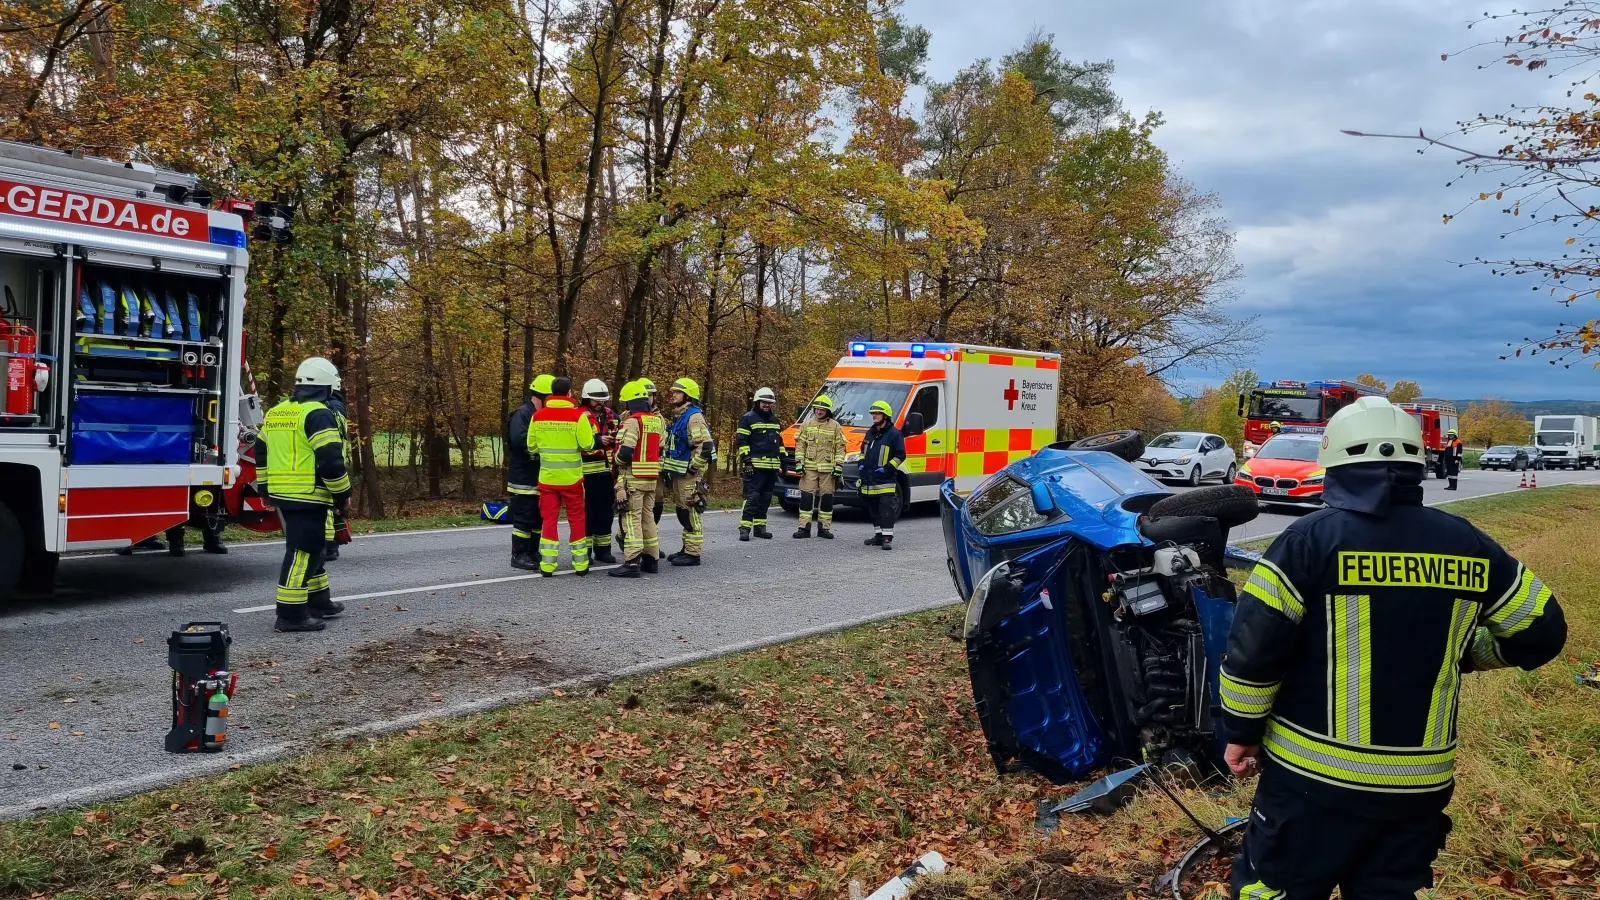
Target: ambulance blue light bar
{"points": [[886, 348]]}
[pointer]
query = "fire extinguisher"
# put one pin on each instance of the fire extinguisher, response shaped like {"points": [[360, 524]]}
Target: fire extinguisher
{"points": [[26, 373]]}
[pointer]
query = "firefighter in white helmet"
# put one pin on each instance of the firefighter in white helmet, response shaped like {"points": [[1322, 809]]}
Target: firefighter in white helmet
{"points": [[1344, 669], [599, 488], [300, 461], [759, 443]]}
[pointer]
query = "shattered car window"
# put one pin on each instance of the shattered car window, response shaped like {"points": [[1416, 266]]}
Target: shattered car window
{"points": [[1003, 506]]}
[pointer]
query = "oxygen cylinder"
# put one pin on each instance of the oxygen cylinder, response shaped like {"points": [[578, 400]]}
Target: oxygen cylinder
{"points": [[217, 719]]}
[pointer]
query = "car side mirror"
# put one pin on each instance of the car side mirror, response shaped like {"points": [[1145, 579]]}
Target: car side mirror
{"points": [[1241, 404], [1043, 503], [913, 424]]}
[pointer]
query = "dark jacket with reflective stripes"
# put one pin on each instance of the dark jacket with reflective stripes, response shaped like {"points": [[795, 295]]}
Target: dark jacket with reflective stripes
{"points": [[522, 468], [759, 439], [1349, 642]]}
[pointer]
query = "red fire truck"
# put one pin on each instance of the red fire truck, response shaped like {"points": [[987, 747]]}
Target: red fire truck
{"points": [[121, 336], [1274, 405], [1437, 418]]}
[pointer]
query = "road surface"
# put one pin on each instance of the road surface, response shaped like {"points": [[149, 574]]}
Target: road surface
{"points": [[437, 624]]}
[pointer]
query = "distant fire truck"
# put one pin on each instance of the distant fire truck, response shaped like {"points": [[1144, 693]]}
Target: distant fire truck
{"points": [[121, 336], [1274, 405], [1438, 418]]}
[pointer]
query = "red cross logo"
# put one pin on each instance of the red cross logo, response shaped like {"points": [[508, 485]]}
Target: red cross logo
{"points": [[1011, 394]]}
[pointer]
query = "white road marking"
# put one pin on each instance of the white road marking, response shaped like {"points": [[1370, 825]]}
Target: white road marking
{"points": [[245, 545], [432, 587]]}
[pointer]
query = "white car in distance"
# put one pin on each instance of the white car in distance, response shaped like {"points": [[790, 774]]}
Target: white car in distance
{"points": [[1189, 457]]}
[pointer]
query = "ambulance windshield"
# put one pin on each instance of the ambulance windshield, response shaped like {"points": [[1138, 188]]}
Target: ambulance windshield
{"points": [[852, 400]]}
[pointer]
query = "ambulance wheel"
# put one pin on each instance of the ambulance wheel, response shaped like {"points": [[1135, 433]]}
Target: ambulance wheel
{"points": [[39, 573], [1230, 504], [13, 549], [1126, 444]]}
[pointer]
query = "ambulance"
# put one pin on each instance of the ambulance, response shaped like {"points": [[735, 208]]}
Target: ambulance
{"points": [[965, 411], [121, 335]]}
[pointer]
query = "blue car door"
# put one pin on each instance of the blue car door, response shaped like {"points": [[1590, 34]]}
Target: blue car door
{"points": [[1029, 698]]}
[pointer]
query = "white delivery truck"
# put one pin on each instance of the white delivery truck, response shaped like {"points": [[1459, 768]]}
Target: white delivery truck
{"points": [[966, 411], [1568, 442], [121, 338]]}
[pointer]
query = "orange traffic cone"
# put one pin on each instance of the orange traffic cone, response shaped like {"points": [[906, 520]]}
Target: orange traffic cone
{"points": [[1524, 479], [1533, 478]]}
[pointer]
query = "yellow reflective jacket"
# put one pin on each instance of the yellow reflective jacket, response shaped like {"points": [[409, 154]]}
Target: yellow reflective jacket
{"points": [[559, 435]]}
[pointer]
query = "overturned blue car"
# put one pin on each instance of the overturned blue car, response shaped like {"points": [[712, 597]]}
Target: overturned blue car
{"points": [[1098, 608]]}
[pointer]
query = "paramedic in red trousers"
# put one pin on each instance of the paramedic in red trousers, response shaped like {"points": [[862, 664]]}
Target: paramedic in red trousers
{"points": [[300, 462], [759, 445], [883, 454], [522, 476], [1345, 662], [559, 436], [598, 487]]}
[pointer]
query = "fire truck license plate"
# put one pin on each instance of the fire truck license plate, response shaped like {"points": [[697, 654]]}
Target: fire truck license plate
{"points": [[1275, 492]]}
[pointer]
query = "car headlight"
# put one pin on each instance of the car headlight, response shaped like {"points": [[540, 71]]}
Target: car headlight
{"points": [[852, 457], [1312, 482], [1182, 460], [1244, 471]]}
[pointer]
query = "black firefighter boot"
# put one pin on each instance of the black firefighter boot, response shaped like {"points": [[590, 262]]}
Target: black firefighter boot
{"points": [[629, 569], [762, 532], [649, 565], [322, 606], [175, 541], [684, 559], [824, 532], [804, 531], [294, 617], [744, 532], [601, 550], [875, 541], [213, 543], [888, 541], [522, 555]]}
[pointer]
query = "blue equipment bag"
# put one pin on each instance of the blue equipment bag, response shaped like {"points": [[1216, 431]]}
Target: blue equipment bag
{"points": [[123, 428], [494, 510]]}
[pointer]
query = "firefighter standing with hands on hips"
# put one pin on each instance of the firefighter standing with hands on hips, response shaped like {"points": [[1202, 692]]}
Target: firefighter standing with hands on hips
{"points": [[559, 435], [638, 469], [1345, 662], [1452, 459], [690, 450], [597, 481], [760, 446], [522, 476], [300, 462], [883, 452], [819, 451]]}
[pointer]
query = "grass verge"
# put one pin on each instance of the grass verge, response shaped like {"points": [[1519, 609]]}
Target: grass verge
{"points": [[783, 772]]}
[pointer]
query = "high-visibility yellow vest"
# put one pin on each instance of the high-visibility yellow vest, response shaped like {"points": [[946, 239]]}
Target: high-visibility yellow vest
{"points": [[559, 434], [292, 456]]}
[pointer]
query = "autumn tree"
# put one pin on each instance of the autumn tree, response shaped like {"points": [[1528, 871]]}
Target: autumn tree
{"points": [[1367, 379], [1493, 421], [1404, 391]]}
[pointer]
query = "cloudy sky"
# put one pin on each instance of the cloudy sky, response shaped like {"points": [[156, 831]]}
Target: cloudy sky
{"points": [[1346, 260]]}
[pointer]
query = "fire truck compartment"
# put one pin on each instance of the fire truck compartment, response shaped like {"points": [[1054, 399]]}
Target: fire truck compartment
{"points": [[111, 428]]}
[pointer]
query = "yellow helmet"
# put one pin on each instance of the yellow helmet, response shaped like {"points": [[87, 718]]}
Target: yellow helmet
{"points": [[823, 401], [881, 406], [649, 386], [633, 390], [689, 386], [543, 384]]}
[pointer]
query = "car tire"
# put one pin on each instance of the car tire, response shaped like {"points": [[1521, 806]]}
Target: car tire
{"points": [[1229, 504], [1233, 472], [792, 507], [13, 549], [903, 494], [1126, 444], [1194, 477]]}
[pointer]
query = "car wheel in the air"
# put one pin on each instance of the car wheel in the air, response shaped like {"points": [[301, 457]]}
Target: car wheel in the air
{"points": [[1126, 444], [1229, 504]]}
